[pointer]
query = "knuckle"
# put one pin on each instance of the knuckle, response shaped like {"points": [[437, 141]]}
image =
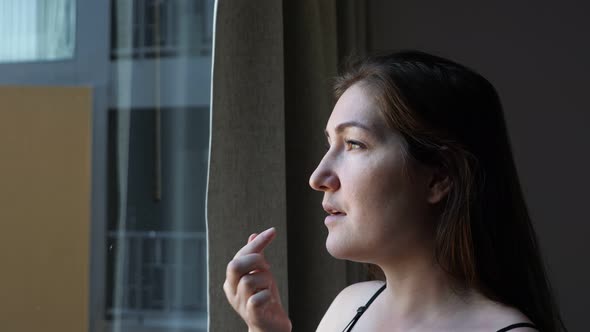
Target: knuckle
{"points": [[260, 262], [254, 302], [232, 267], [226, 287], [248, 281]]}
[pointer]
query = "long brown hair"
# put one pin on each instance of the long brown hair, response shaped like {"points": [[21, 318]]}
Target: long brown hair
{"points": [[451, 117]]}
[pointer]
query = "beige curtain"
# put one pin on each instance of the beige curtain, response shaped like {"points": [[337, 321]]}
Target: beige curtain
{"points": [[271, 98], [311, 59], [246, 189]]}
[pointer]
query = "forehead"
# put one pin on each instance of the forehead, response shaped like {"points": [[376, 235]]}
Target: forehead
{"points": [[356, 105]]}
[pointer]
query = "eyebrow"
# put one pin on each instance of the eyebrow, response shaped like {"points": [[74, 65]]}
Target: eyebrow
{"points": [[344, 125]]}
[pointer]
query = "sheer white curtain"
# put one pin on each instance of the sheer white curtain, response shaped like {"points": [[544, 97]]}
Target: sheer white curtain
{"points": [[56, 22], [123, 78], [37, 30]]}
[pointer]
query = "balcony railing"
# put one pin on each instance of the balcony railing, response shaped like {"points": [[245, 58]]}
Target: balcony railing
{"points": [[161, 277], [161, 28]]}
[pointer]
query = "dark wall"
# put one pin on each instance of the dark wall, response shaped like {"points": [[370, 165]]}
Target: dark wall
{"points": [[538, 56]]}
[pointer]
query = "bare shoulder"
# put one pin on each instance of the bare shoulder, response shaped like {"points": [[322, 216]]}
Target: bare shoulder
{"points": [[488, 315], [344, 306]]}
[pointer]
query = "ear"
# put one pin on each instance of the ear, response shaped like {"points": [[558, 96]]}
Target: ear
{"points": [[439, 186]]}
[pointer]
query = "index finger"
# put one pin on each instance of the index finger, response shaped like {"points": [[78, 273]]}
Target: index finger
{"points": [[258, 244]]}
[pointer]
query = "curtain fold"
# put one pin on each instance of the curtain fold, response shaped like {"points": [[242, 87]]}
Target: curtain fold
{"points": [[56, 29], [318, 34], [18, 27], [124, 85], [246, 186], [311, 60], [271, 98]]}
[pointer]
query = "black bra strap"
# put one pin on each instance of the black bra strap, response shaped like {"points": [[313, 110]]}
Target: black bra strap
{"points": [[515, 326], [361, 310]]}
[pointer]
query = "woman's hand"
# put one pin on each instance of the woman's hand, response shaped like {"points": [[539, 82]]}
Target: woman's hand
{"points": [[251, 288]]}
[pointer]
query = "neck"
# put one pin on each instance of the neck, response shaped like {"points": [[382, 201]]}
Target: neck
{"points": [[419, 291]]}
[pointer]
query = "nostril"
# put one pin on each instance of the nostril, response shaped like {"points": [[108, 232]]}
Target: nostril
{"points": [[324, 181]]}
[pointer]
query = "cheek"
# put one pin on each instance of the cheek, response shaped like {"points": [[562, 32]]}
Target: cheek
{"points": [[385, 195], [380, 183]]}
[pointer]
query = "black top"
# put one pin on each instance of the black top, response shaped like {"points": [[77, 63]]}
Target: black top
{"points": [[361, 310]]}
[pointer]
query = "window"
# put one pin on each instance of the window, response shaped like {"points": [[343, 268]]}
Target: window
{"points": [[156, 273], [145, 68], [36, 30], [158, 141], [160, 28]]}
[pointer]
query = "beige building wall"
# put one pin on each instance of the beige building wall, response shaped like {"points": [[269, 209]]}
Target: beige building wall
{"points": [[45, 149]]}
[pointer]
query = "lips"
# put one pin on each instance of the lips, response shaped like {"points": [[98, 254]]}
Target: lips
{"points": [[333, 210], [335, 214]]}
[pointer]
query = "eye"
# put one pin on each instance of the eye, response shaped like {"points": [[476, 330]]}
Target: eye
{"points": [[354, 145]]}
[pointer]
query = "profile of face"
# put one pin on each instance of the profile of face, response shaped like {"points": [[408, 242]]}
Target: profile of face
{"points": [[379, 203]]}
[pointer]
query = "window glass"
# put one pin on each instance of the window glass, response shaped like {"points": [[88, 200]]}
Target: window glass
{"points": [[158, 140], [145, 69], [37, 30], [143, 29]]}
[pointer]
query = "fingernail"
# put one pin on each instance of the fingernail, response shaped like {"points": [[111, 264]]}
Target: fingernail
{"points": [[267, 232]]}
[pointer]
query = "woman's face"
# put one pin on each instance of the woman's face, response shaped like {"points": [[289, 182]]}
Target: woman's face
{"points": [[377, 202]]}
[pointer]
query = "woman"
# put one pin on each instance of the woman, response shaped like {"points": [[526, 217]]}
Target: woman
{"points": [[418, 180]]}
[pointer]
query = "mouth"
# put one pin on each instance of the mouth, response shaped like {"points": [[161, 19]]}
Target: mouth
{"points": [[332, 210], [334, 213]]}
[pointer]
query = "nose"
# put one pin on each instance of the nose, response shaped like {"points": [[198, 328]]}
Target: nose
{"points": [[324, 178]]}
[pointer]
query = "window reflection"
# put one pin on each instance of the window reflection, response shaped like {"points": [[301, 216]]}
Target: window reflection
{"points": [[37, 30], [156, 255], [158, 140], [151, 28], [150, 88]]}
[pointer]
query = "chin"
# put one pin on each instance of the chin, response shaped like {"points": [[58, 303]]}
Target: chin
{"points": [[341, 249], [335, 247], [346, 245]]}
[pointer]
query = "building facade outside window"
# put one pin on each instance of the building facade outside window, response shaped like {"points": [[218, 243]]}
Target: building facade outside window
{"points": [[157, 150], [148, 65]]}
